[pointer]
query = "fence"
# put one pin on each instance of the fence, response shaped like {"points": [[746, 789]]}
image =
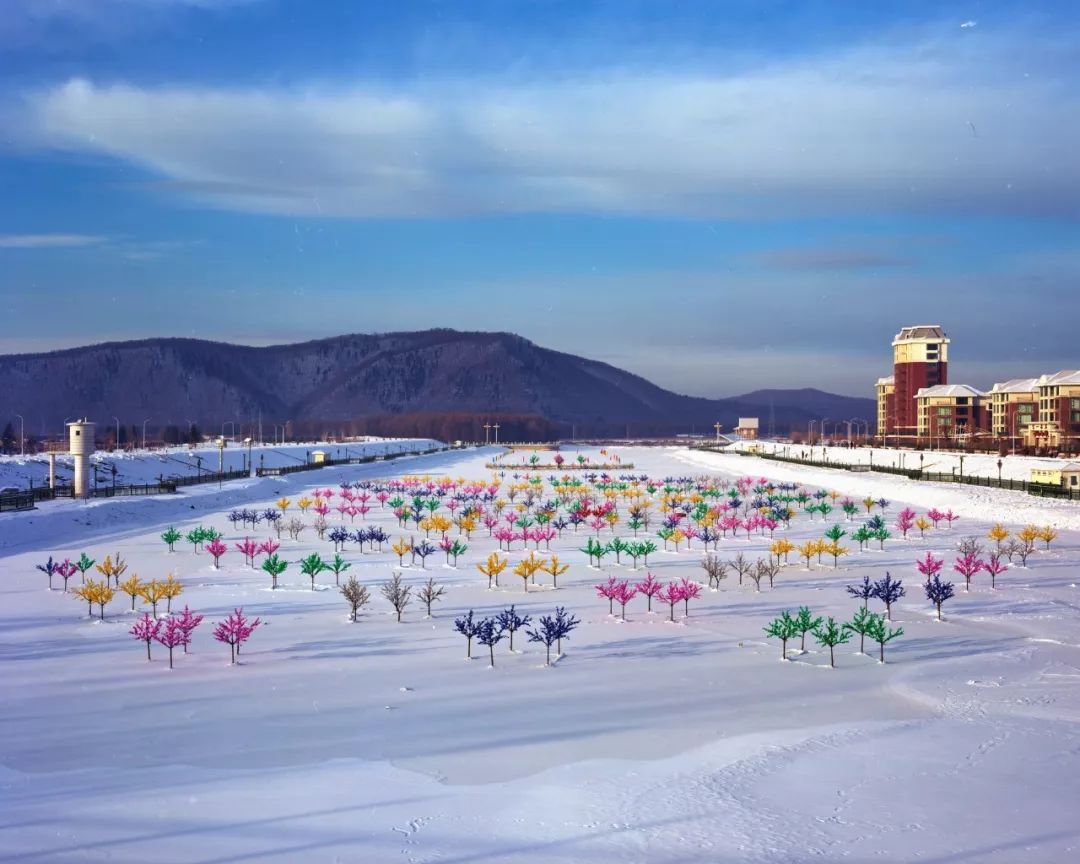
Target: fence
{"points": [[348, 460], [17, 501], [1043, 490]]}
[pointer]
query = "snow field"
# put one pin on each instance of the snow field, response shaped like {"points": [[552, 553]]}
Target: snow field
{"points": [[647, 741]]}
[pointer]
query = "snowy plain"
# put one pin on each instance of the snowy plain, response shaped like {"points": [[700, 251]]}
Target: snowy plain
{"points": [[647, 741]]}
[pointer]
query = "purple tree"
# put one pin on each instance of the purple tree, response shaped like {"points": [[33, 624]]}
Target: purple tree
{"points": [[863, 591]]}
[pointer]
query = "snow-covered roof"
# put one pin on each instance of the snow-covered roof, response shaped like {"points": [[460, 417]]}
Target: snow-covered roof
{"points": [[1065, 376], [748, 423], [949, 390], [921, 331], [1016, 385], [888, 379]]}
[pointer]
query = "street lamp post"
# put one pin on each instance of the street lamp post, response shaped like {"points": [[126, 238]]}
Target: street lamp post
{"points": [[496, 428], [487, 433], [717, 427], [22, 435], [144, 422], [999, 472], [117, 419]]}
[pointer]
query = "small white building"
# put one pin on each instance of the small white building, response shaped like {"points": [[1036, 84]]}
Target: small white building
{"points": [[747, 428]]}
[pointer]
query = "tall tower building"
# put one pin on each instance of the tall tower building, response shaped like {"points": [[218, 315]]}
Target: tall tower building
{"points": [[81, 446], [920, 359]]}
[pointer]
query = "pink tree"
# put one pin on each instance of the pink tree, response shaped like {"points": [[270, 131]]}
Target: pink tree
{"points": [[995, 567], [608, 591], [967, 566], [146, 629], [235, 631], [171, 635], [690, 591], [929, 566], [671, 594], [216, 549], [905, 520], [949, 517], [382, 498], [269, 547], [249, 548], [65, 570], [934, 515], [189, 622], [624, 593], [650, 587]]}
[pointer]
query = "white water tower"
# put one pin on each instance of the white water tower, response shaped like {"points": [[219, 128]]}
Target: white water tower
{"points": [[81, 445]]}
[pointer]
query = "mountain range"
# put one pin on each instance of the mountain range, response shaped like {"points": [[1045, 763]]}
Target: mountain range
{"points": [[341, 379]]}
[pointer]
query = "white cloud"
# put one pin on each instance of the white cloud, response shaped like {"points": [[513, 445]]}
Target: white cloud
{"points": [[49, 241], [883, 128]]}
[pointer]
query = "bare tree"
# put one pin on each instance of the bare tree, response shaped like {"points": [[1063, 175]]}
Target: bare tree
{"points": [[714, 568], [970, 546], [742, 566], [356, 595], [397, 593], [769, 568], [430, 593], [295, 527], [757, 573]]}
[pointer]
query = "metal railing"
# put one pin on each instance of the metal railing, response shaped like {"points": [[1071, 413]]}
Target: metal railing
{"points": [[1044, 490]]}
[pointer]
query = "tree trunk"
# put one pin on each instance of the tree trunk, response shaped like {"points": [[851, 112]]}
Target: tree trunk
{"points": [[147, 650], [832, 662], [170, 656], [491, 649]]}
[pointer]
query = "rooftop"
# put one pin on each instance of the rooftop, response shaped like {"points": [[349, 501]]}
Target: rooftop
{"points": [[888, 379], [949, 390], [1016, 385], [921, 331], [1065, 376]]}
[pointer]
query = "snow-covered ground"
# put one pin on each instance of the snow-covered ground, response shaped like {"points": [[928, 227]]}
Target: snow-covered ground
{"points": [[1013, 467], [647, 741], [145, 466]]}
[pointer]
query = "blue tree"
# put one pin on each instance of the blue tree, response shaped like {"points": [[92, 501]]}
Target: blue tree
{"points": [[489, 633], [48, 568], [339, 537], [937, 592], [511, 622], [564, 624], [546, 633], [377, 536], [423, 549], [888, 591], [467, 627], [864, 591]]}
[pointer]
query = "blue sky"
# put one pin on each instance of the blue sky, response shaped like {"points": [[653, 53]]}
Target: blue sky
{"points": [[718, 195]]}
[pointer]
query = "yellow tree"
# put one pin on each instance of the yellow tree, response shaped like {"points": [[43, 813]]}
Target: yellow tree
{"points": [[282, 504], [836, 550], [493, 567], [132, 587], [807, 551], [998, 534], [1047, 533], [440, 523], [401, 547], [526, 568], [112, 569], [677, 536], [822, 548], [555, 569], [612, 519], [426, 525], [782, 547], [466, 525], [171, 588], [1028, 534], [103, 594], [304, 503], [153, 592], [922, 523], [88, 591]]}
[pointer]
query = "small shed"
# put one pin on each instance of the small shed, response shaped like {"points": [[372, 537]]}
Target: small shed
{"points": [[318, 457], [1067, 474]]}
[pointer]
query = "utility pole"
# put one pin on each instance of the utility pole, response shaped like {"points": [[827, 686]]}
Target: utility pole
{"points": [[496, 428], [22, 435], [487, 434], [717, 427], [144, 422]]}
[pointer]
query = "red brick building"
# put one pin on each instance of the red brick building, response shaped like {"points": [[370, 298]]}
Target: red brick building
{"points": [[920, 360]]}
